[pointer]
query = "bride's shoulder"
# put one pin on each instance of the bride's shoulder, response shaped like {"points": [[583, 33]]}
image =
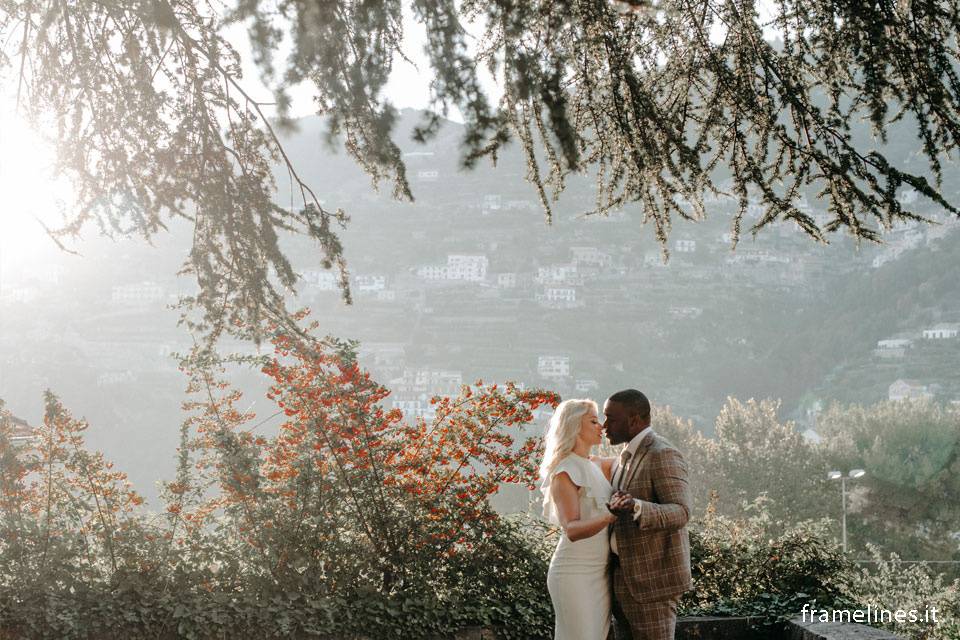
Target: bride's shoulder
{"points": [[572, 461], [576, 470], [605, 464]]}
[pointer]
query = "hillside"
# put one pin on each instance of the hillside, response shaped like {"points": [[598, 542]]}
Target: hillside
{"points": [[468, 282]]}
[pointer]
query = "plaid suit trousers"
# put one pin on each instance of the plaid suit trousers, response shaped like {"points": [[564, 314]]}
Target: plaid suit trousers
{"points": [[641, 620]]}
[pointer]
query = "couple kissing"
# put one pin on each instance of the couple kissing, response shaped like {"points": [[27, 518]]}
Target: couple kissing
{"points": [[623, 558]]}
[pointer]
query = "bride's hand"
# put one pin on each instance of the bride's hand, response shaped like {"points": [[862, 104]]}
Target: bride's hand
{"points": [[620, 503]]}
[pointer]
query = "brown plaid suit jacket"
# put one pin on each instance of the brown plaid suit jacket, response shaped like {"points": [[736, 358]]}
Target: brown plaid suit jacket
{"points": [[654, 550]]}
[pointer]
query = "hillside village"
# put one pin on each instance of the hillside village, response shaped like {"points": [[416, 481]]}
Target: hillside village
{"points": [[468, 283]]}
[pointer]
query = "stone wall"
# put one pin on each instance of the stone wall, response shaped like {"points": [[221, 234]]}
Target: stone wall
{"points": [[800, 630], [743, 628]]}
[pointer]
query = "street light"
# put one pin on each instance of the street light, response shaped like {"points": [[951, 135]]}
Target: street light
{"points": [[837, 475]]}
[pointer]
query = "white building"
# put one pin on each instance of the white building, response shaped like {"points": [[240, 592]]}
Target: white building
{"points": [[382, 355], [492, 202], [407, 406], [586, 385], [895, 247], [883, 258], [558, 298], [432, 272], [472, 268], [418, 407], [19, 295], [370, 283], [590, 257], [943, 331], [427, 382], [654, 259], [892, 347], [908, 390], [521, 205], [895, 343], [685, 312], [557, 274], [111, 378], [322, 279], [553, 366], [507, 280], [428, 175], [21, 432], [137, 294], [755, 256], [439, 381], [560, 294], [685, 246]]}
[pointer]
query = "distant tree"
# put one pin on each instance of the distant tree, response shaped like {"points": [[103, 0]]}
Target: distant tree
{"points": [[146, 102], [911, 453], [755, 454], [69, 518], [752, 457], [698, 451]]}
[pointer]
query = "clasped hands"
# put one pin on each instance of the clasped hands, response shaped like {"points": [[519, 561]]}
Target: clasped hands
{"points": [[621, 503]]}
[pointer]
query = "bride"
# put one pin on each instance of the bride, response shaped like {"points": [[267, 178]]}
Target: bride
{"points": [[576, 490]]}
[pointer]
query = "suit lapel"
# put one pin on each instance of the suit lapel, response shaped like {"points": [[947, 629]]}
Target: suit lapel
{"points": [[638, 457]]}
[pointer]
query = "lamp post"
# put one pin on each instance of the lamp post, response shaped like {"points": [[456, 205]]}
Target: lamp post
{"points": [[837, 475]]}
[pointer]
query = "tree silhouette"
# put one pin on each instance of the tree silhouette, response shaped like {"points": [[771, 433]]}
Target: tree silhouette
{"points": [[665, 101]]}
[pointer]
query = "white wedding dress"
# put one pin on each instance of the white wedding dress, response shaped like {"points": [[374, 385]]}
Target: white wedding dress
{"points": [[577, 580]]}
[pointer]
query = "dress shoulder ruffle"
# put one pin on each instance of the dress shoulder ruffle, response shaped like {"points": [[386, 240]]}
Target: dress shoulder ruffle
{"points": [[586, 475]]}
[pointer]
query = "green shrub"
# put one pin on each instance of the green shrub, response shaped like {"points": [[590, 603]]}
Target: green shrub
{"points": [[740, 568], [892, 584]]}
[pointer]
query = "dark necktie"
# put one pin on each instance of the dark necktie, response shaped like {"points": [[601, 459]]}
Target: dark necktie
{"points": [[625, 456]]}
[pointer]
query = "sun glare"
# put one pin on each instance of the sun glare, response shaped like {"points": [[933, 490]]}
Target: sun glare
{"points": [[29, 193]]}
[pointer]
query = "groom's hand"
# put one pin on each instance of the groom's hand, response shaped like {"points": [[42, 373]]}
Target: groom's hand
{"points": [[620, 503]]}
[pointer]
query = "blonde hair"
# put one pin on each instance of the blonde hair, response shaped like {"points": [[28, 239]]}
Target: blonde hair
{"points": [[562, 433]]}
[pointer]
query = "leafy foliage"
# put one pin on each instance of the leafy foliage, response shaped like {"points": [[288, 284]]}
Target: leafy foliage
{"points": [[145, 103], [746, 567], [891, 584], [152, 120], [906, 502], [650, 99], [910, 450], [752, 455], [750, 567], [347, 517]]}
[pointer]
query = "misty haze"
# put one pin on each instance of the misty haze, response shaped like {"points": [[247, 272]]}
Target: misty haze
{"points": [[271, 375]]}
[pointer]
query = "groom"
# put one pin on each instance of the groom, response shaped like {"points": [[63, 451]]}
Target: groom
{"points": [[649, 539]]}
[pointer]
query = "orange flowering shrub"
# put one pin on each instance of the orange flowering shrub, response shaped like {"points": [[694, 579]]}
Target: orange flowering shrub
{"points": [[346, 490], [325, 516]]}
